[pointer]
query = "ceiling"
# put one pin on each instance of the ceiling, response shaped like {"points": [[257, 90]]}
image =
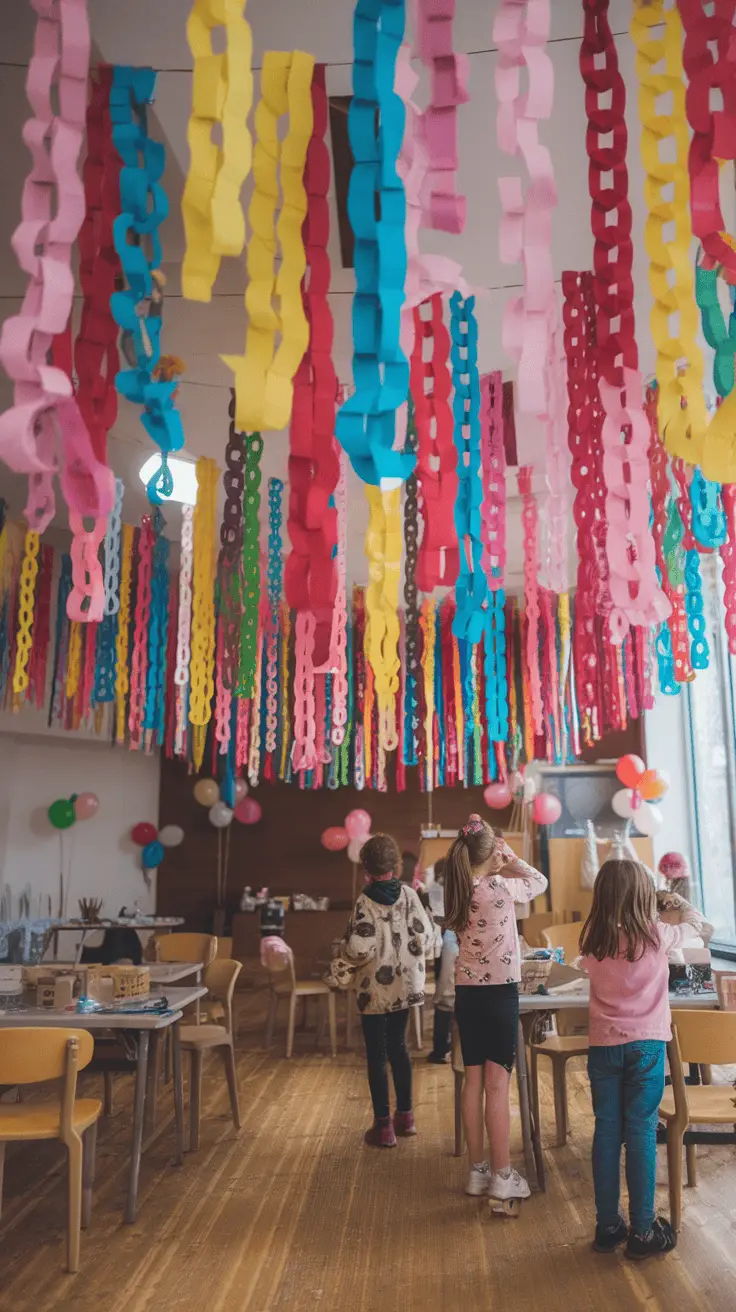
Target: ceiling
{"points": [[125, 33]]}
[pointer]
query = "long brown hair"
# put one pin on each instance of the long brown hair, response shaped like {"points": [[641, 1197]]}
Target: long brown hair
{"points": [[472, 847], [624, 907]]}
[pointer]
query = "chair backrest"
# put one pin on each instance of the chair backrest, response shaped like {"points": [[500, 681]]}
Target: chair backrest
{"points": [[533, 926], [187, 947], [706, 1038], [566, 937], [278, 959], [219, 979], [35, 1054]]}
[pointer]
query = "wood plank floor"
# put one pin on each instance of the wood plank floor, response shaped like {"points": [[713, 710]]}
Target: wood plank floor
{"points": [[294, 1215]]}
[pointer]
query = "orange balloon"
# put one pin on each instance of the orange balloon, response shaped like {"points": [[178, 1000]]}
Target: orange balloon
{"points": [[652, 786], [630, 770]]}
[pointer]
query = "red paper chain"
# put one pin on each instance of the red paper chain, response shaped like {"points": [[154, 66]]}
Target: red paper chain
{"points": [[728, 556], [439, 556]]}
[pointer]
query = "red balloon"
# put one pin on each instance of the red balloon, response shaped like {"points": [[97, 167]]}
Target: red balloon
{"points": [[335, 839], [497, 796], [144, 833], [630, 770], [547, 809], [248, 811]]}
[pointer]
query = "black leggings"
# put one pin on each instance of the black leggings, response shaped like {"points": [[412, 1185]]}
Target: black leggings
{"points": [[385, 1037]]}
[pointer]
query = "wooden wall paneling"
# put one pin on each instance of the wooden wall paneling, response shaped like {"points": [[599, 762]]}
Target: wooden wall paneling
{"points": [[565, 856]]}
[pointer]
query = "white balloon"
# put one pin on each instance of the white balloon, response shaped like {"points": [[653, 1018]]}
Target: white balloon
{"points": [[648, 819], [621, 803], [355, 847], [171, 835], [241, 790], [530, 788], [220, 815]]}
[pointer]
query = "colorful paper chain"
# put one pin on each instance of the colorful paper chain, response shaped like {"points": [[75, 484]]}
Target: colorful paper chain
{"points": [[339, 643], [366, 423], [275, 583], [201, 666], [139, 658], [410, 663], [24, 637], [677, 651], [264, 375], [493, 532], [439, 557], [247, 685], [696, 623], [184, 626], [122, 681], [231, 556], [222, 95], [383, 551], [471, 588]]}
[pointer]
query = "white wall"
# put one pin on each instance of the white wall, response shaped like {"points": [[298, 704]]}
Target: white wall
{"points": [[667, 750], [37, 769]]}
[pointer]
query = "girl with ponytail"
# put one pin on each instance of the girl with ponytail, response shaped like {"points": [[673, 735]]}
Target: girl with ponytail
{"points": [[483, 880]]}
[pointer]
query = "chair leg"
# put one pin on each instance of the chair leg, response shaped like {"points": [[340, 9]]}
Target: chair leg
{"points": [[195, 1098], [108, 1105], [559, 1080], [271, 1019], [228, 1057], [89, 1149], [74, 1219], [332, 1014], [674, 1170], [459, 1146], [692, 1164], [416, 1013], [2, 1171], [292, 1023]]}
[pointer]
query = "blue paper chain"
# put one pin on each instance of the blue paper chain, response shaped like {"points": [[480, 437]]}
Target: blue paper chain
{"points": [[696, 623], [105, 660], [137, 310], [153, 712], [366, 423], [60, 637], [709, 518], [666, 662], [471, 588]]}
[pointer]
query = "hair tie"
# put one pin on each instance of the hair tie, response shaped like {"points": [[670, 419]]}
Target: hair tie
{"points": [[472, 826]]}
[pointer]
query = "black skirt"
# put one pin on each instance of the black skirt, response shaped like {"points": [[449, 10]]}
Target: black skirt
{"points": [[488, 1021]]}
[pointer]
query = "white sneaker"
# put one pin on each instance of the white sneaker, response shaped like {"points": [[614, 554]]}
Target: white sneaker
{"points": [[505, 1187], [479, 1178]]}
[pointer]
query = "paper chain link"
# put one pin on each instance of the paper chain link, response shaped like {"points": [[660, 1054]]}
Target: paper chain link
{"points": [[201, 665], [247, 685], [439, 557], [411, 603], [275, 583], [340, 688], [428, 626], [112, 551], [153, 714], [24, 637], [493, 531], [471, 588], [383, 551], [696, 623], [304, 750], [86, 601], [122, 681], [677, 650], [530, 521], [140, 631], [231, 551]]}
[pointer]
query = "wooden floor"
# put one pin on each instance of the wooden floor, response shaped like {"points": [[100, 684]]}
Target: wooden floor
{"points": [[295, 1214]]}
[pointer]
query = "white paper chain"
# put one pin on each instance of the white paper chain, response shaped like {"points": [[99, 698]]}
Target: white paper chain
{"points": [[112, 552]]}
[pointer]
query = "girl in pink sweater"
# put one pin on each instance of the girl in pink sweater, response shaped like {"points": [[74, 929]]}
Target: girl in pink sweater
{"points": [[624, 953]]}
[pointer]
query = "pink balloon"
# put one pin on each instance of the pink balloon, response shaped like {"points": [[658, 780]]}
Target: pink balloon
{"points": [[241, 790], [355, 847], [358, 824], [86, 805], [547, 809], [497, 796], [335, 839], [248, 811]]}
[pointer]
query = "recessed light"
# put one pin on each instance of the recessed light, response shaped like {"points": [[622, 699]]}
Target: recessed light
{"points": [[183, 473]]}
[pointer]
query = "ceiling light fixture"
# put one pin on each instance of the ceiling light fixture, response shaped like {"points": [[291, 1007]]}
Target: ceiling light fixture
{"points": [[183, 473]]}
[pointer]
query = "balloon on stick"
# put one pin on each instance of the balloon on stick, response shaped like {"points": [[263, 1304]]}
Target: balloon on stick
{"points": [[206, 792], [497, 796], [61, 813], [86, 805], [335, 839], [171, 835], [248, 811], [220, 815], [355, 847]]}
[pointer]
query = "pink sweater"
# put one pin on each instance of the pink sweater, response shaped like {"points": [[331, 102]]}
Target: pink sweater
{"points": [[489, 946], [629, 1000]]}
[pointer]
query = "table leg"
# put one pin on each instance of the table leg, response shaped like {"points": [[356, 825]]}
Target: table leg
{"points": [[153, 1051], [139, 1106], [178, 1094], [532, 1158], [80, 947]]}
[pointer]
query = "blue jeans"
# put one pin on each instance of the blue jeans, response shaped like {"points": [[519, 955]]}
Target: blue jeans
{"points": [[627, 1081]]}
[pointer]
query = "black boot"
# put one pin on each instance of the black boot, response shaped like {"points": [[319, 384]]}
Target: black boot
{"points": [[442, 1041]]}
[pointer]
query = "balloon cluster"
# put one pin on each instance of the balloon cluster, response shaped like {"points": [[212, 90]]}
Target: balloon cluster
{"points": [[65, 812], [546, 808], [641, 787], [155, 841], [351, 837], [245, 809]]}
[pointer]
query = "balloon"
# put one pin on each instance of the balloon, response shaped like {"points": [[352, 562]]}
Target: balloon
{"points": [[497, 796], [630, 770], [144, 833], [248, 811], [358, 824], [220, 815], [653, 785], [621, 804], [206, 792], [355, 847], [530, 788], [152, 855], [171, 835], [335, 839], [648, 820], [241, 790], [61, 813], [86, 805], [547, 809]]}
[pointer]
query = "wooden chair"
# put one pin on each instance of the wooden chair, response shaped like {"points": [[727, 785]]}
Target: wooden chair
{"points": [[32, 1056], [185, 947], [567, 1043], [219, 978], [284, 984], [533, 925], [705, 1038]]}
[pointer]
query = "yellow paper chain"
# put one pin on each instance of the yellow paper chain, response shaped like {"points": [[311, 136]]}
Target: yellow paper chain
{"points": [[264, 375], [202, 661], [222, 92], [382, 631], [428, 625], [683, 417], [74, 660], [24, 638], [122, 678]]}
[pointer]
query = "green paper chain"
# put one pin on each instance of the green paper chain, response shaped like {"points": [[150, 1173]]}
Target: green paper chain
{"points": [[251, 599], [720, 337]]}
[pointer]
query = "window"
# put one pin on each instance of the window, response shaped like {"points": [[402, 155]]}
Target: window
{"points": [[711, 716]]}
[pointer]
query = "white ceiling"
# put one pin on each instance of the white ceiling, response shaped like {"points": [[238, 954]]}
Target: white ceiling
{"points": [[124, 33]]}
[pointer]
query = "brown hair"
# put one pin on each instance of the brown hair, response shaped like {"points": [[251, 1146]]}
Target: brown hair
{"points": [[624, 905], [380, 855], [472, 847]]}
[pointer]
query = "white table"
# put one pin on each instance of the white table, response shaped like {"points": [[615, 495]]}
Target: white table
{"points": [[143, 1030]]}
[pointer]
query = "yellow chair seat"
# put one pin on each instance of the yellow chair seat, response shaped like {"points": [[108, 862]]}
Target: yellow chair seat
{"points": [[708, 1104], [203, 1036], [20, 1121], [567, 1045], [304, 987]]}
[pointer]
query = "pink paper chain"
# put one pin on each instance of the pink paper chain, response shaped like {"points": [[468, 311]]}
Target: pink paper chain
{"points": [[558, 467], [340, 617], [223, 695], [728, 556], [304, 750], [530, 521], [140, 631], [42, 394], [493, 456], [184, 627], [88, 584], [445, 208]]}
